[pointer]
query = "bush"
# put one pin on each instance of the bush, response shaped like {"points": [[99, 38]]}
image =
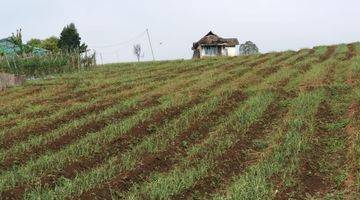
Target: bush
{"points": [[35, 66], [249, 48]]}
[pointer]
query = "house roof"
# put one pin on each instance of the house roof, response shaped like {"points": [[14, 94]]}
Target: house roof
{"points": [[213, 39]]}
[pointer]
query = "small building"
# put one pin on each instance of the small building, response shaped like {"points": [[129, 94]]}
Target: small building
{"points": [[213, 45]]}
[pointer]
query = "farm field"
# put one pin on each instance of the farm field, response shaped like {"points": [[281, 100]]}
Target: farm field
{"points": [[271, 126]]}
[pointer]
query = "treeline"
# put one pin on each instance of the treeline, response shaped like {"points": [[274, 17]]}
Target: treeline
{"points": [[52, 55]]}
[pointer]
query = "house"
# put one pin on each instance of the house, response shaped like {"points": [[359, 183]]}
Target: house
{"points": [[213, 45]]}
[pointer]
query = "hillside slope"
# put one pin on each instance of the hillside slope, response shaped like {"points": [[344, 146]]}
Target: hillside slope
{"points": [[278, 125]]}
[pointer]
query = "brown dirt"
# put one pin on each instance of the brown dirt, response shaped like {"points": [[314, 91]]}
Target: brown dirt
{"points": [[260, 75], [351, 52], [186, 70], [312, 180], [8, 124], [327, 55], [15, 193], [304, 68], [26, 92], [268, 70], [281, 60], [164, 161], [321, 82], [264, 58], [353, 110], [301, 58]]}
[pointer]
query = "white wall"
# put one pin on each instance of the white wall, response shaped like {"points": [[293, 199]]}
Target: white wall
{"points": [[231, 51], [227, 51], [202, 52]]}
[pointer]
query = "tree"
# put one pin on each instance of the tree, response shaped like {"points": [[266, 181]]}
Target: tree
{"points": [[249, 48], [138, 52], [70, 39], [34, 42], [16, 39], [51, 44]]}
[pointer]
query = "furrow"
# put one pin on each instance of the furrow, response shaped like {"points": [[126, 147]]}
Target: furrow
{"points": [[329, 52]]}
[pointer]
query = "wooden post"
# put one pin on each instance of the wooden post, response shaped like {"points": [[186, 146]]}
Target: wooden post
{"points": [[79, 60], [152, 51], [101, 58]]}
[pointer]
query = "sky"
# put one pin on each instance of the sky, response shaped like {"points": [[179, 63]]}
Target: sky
{"points": [[113, 27]]}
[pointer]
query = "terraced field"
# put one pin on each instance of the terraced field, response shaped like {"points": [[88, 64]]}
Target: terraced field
{"points": [[271, 126]]}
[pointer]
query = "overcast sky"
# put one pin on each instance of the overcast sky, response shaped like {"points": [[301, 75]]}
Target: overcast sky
{"points": [[274, 25]]}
